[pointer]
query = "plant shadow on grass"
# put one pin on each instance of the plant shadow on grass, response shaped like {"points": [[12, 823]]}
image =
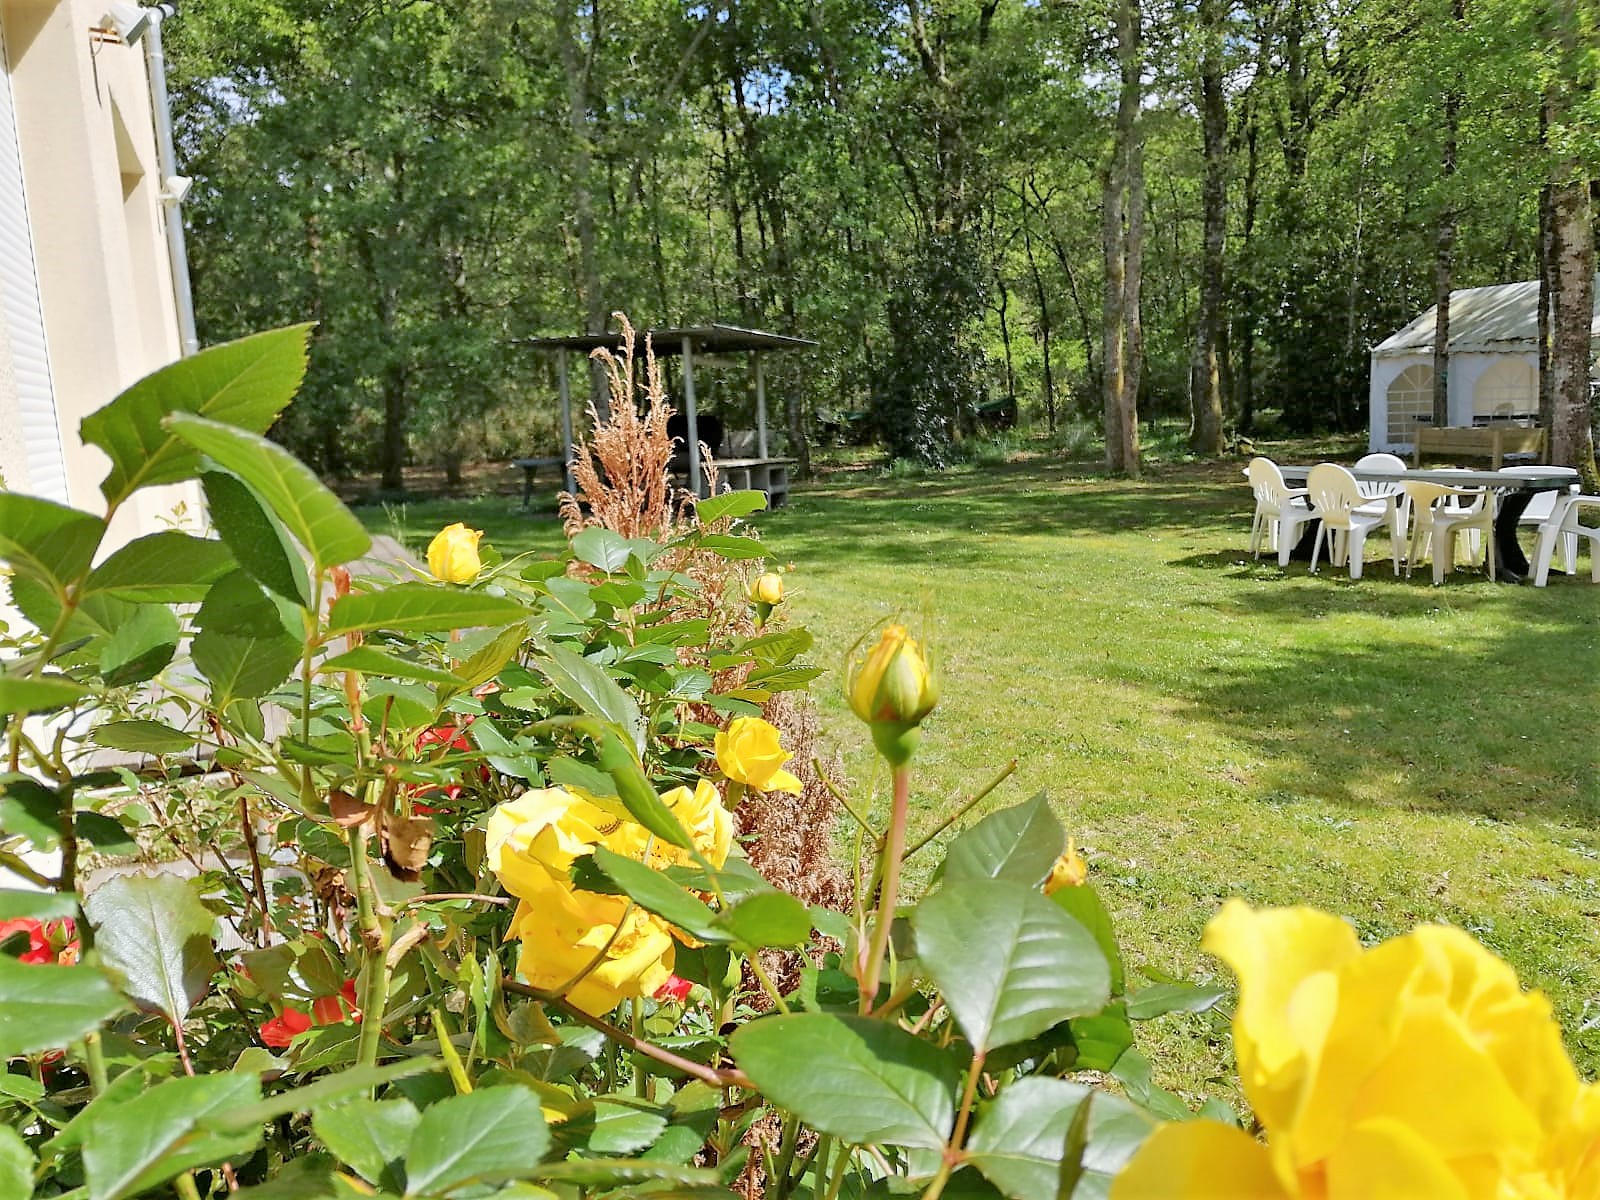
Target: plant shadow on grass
{"points": [[1477, 720]]}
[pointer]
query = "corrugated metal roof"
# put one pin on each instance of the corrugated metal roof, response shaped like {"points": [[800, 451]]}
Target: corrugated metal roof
{"points": [[1503, 317]]}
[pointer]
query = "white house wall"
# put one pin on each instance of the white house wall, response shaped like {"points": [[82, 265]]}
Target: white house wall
{"points": [[97, 227]]}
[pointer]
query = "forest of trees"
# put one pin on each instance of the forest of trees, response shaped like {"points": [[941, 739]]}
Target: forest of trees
{"points": [[1101, 211]]}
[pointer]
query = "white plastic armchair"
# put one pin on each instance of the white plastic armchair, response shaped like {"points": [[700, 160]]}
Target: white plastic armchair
{"points": [[1280, 509], [1563, 522], [1543, 506], [1346, 518], [1389, 492], [1478, 516]]}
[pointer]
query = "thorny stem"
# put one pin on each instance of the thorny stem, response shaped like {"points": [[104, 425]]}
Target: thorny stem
{"points": [[952, 1152], [257, 875], [732, 1077], [375, 975], [894, 849]]}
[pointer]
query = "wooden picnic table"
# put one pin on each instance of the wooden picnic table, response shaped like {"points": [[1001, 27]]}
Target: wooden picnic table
{"points": [[529, 467], [1515, 493]]}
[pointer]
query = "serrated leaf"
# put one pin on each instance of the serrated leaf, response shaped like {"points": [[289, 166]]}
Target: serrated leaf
{"points": [[421, 608], [371, 1136], [371, 661], [245, 383], [1021, 843], [154, 930], [142, 737], [732, 547], [1084, 905], [1116, 1131], [257, 538], [587, 685], [1019, 1138], [43, 694], [41, 906], [729, 504], [316, 518], [608, 550], [862, 1080], [46, 541], [620, 1172], [489, 1135], [30, 810], [16, 1164], [1008, 962], [161, 568], [329, 1090], [141, 1143], [141, 647], [105, 834], [1166, 998], [654, 892], [243, 648], [766, 919], [44, 1006]]}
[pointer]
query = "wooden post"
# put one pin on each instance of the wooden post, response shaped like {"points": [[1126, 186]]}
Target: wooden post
{"points": [[566, 416], [692, 419], [761, 407]]}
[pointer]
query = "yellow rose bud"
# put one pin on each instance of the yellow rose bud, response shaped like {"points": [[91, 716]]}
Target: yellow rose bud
{"points": [[562, 929], [1418, 1067], [703, 817], [453, 554], [749, 753], [767, 589], [1070, 870], [892, 688]]}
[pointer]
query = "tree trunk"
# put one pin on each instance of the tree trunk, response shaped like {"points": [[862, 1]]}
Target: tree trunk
{"points": [[1044, 330], [1548, 253], [1445, 253], [1572, 423], [572, 67], [1205, 380], [1122, 244]]}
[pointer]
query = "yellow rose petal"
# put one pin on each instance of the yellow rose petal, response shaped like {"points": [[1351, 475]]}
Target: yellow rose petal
{"points": [[1199, 1160]]}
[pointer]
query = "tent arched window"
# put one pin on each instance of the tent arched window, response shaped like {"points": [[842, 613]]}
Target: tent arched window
{"points": [[1410, 396], [1509, 388]]}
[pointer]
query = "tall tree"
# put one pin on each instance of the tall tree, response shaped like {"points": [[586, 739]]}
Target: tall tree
{"points": [[1205, 381], [1122, 244]]}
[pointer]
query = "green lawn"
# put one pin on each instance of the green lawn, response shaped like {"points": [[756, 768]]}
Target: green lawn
{"points": [[1209, 726]]}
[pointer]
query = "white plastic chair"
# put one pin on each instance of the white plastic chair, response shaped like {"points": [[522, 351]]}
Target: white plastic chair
{"points": [[1478, 516], [1563, 523], [1346, 518], [1542, 507], [1280, 509], [1398, 512]]}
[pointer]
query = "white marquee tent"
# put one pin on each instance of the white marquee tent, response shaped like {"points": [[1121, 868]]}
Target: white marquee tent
{"points": [[1494, 364]]}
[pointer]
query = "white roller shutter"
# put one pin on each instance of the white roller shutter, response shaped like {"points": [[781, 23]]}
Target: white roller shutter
{"points": [[22, 315]]}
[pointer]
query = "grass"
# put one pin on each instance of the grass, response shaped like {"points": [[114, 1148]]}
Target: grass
{"points": [[1209, 726]]}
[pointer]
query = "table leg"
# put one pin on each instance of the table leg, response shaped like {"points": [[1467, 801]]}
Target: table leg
{"points": [[527, 487], [1512, 563], [1308, 540]]}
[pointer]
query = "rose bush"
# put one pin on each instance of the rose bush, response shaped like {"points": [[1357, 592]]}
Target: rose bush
{"points": [[465, 909]]}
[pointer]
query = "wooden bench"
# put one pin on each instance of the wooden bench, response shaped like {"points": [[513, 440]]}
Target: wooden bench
{"points": [[529, 467], [769, 475], [1493, 442]]}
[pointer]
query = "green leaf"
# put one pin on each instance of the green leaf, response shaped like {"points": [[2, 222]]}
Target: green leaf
{"points": [[245, 383], [731, 547], [142, 737], [619, 760], [621, 1172], [46, 541], [587, 685], [862, 1080], [1008, 962], [31, 810], [44, 1006], [106, 835], [1100, 1040], [141, 647], [653, 891], [41, 906], [1166, 998], [316, 517], [729, 504], [603, 548], [1116, 1131], [154, 930], [243, 649], [16, 1164], [162, 568], [767, 919], [257, 538], [1020, 1137], [325, 1092], [421, 608], [370, 1136], [146, 1141], [44, 694], [1021, 843], [371, 661], [1084, 905], [612, 1125], [491, 1134]]}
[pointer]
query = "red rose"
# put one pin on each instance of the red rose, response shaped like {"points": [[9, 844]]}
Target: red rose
{"points": [[280, 1031], [51, 942], [674, 989]]}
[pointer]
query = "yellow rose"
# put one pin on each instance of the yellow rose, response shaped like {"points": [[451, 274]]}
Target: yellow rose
{"points": [[748, 752], [453, 554], [562, 929], [893, 681], [767, 589], [1419, 1068], [701, 814], [1070, 870], [534, 839]]}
